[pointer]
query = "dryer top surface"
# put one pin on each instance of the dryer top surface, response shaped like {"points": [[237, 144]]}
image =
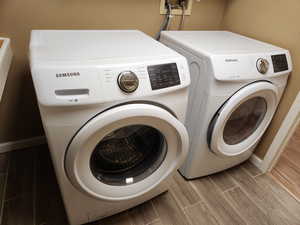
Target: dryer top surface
{"points": [[218, 42]]}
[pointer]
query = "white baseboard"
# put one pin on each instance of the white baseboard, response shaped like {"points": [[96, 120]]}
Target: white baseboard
{"points": [[25, 143], [257, 162]]}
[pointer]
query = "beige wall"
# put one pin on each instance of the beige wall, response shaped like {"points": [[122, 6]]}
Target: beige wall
{"points": [[277, 22], [19, 117]]}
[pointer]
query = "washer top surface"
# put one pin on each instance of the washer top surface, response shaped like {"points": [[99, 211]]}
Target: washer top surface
{"points": [[94, 45], [218, 42]]}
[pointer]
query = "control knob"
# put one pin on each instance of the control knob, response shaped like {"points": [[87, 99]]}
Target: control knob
{"points": [[128, 81], [262, 65]]}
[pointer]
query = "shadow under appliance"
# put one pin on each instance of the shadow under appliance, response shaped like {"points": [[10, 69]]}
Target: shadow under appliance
{"points": [[237, 83], [113, 105]]}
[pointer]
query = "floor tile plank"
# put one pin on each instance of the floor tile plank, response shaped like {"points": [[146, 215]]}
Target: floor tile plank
{"points": [[251, 169], [269, 204], [143, 214], [289, 201], [158, 222], [290, 171], [199, 214], [48, 199], [216, 202], [183, 191], [287, 169], [21, 173], [118, 219], [19, 211], [197, 202], [169, 211], [223, 181], [4, 160], [248, 210]]}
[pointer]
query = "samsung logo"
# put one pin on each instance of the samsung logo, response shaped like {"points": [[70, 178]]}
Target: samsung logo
{"points": [[74, 74], [231, 60]]}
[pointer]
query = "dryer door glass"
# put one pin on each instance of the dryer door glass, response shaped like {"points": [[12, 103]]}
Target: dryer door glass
{"points": [[244, 121], [128, 155], [240, 123]]}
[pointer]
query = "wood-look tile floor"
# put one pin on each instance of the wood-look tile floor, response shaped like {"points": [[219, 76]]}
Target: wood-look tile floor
{"points": [[287, 169], [30, 196]]}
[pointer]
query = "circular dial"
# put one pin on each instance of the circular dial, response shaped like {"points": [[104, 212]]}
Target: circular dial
{"points": [[128, 81], [262, 65]]}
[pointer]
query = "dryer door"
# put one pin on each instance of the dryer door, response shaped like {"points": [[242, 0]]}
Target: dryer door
{"points": [[242, 120], [126, 151]]}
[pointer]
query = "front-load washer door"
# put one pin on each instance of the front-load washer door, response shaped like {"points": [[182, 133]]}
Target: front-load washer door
{"points": [[242, 120], [126, 151]]}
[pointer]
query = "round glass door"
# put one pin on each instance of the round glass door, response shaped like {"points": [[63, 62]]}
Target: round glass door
{"points": [[241, 121], [244, 121], [126, 151], [128, 155]]}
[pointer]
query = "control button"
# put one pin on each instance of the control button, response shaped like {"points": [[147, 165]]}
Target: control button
{"points": [[262, 65], [128, 81]]}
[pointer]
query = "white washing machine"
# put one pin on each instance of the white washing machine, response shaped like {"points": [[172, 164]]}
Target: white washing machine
{"points": [[237, 83], [113, 105]]}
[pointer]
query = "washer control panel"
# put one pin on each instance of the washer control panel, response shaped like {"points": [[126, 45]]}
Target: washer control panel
{"points": [[280, 63], [163, 76]]}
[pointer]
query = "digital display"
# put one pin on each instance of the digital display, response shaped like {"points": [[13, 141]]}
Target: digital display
{"points": [[280, 63], [163, 76]]}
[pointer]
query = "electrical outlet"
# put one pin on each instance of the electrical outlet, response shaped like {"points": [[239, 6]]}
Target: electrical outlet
{"points": [[176, 9]]}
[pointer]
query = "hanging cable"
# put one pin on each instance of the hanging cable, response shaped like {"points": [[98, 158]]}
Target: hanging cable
{"points": [[181, 25], [169, 15], [166, 23]]}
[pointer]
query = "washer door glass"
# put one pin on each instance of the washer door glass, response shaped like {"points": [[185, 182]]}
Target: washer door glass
{"points": [[128, 155], [244, 121], [126, 151]]}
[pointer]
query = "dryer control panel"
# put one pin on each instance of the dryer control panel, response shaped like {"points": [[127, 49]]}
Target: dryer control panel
{"points": [[280, 63], [251, 66]]}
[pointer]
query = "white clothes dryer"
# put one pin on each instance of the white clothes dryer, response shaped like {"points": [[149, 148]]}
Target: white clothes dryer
{"points": [[237, 83], [113, 105]]}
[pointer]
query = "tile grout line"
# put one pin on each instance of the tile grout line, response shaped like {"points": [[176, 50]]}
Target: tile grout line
{"points": [[230, 203], [178, 201], [187, 217], [207, 204], [154, 221], [181, 208], [226, 199], [155, 210], [230, 189], [192, 205], [246, 193], [210, 178], [248, 172]]}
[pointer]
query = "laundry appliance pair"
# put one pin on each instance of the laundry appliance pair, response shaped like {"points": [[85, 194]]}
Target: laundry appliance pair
{"points": [[113, 106]]}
